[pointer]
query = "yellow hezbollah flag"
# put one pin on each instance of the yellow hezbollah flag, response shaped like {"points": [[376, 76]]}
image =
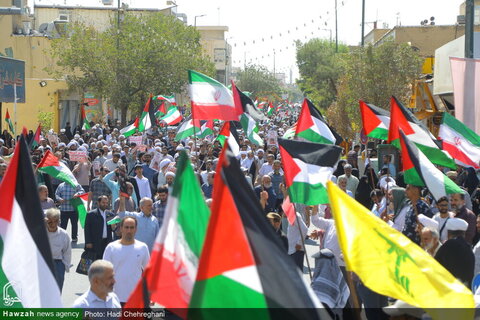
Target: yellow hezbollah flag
{"points": [[390, 264]]}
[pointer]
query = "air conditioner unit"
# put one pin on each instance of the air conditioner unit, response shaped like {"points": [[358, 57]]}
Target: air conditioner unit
{"points": [[461, 19], [63, 17]]}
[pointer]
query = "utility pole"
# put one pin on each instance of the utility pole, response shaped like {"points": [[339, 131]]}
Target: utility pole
{"points": [[336, 28], [469, 17], [363, 23]]}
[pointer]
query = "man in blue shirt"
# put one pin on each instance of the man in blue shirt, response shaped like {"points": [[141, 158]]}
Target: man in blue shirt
{"points": [[147, 228]]}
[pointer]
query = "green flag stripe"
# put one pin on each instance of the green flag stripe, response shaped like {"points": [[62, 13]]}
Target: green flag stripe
{"points": [[379, 133], [7, 292], [198, 77], [223, 292], [60, 175], [309, 194], [412, 177], [313, 136]]}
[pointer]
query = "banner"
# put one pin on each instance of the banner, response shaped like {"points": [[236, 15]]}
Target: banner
{"points": [[80, 156], [138, 140], [466, 78]]}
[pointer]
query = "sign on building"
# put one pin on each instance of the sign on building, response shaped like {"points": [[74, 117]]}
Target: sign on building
{"points": [[12, 78]]}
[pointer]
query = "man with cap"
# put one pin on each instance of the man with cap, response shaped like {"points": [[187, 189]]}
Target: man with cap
{"points": [[159, 177], [456, 254], [276, 222]]}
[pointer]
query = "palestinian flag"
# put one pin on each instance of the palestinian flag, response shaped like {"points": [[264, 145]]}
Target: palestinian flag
{"points": [[26, 270], [243, 264], [250, 128], [206, 128], [376, 121], [401, 118], [171, 272], [187, 129], [460, 141], [57, 169], [169, 99], [80, 204], [161, 111], [85, 124], [130, 129], [419, 171], [308, 166], [311, 125], [271, 109], [172, 117], [261, 105], [145, 122], [9, 123], [36, 138], [229, 133], [244, 104], [210, 99], [290, 133]]}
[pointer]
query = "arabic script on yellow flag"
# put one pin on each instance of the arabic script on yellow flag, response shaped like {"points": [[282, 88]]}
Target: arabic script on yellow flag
{"points": [[390, 264]]}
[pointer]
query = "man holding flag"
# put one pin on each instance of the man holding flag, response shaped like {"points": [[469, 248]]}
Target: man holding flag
{"points": [[65, 192]]}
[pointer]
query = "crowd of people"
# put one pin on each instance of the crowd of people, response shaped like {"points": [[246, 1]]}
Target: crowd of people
{"points": [[130, 182]]}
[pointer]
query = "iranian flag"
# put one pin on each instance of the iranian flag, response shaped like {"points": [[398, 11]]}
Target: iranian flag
{"points": [[419, 171], [145, 122], [462, 143], [401, 118], [36, 137], [172, 117], [9, 122], [85, 124], [311, 125], [205, 129], [210, 99], [376, 121], [80, 204], [169, 99], [26, 270], [57, 169], [250, 128], [229, 133], [130, 129], [308, 166], [171, 272], [243, 264], [187, 128]]}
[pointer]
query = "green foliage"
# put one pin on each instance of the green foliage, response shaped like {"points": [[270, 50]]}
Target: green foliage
{"points": [[45, 118], [259, 81], [374, 74], [319, 67], [150, 54]]}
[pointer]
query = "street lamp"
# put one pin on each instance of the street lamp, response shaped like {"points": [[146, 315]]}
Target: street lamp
{"points": [[195, 20]]}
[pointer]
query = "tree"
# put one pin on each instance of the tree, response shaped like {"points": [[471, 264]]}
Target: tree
{"points": [[257, 80], [148, 54], [374, 74], [319, 67]]}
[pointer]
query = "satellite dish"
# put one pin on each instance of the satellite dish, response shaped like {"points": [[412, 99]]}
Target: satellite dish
{"points": [[43, 27]]}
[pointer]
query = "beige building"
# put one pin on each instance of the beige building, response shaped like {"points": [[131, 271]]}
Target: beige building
{"points": [[25, 36]]}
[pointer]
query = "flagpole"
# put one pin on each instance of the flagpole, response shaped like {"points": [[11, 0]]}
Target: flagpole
{"points": [[15, 105], [304, 249]]}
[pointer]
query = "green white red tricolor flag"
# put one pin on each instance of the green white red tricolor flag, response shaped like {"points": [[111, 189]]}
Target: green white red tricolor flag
{"points": [[79, 202], [85, 124], [376, 121], [57, 169], [170, 275], [210, 99], [462, 143], [401, 118], [169, 99], [27, 272], [172, 117], [308, 166], [419, 171]]}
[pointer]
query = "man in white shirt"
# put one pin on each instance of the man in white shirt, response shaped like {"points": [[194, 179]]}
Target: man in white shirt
{"points": [[142, 183], [442, 217], [295, 241], [266, 168], [113, 163], [352, 181], [100, 295], [129, 258]]}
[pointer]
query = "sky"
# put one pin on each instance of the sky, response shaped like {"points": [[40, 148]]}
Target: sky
{"points": [[258, 28]]}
